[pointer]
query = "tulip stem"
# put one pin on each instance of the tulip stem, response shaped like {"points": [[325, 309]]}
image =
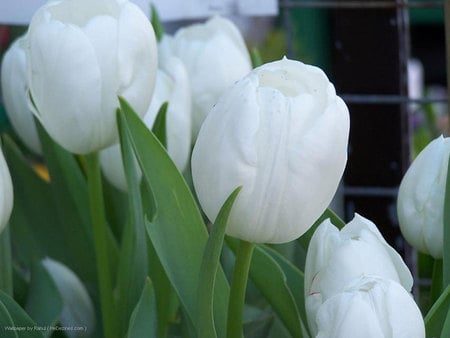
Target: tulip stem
{"points": [[6, 283], [238, 288], [98, 218]]}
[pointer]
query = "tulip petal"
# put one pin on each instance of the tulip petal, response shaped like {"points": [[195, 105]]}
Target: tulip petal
{"points": [[137, 58], [65, 89]]}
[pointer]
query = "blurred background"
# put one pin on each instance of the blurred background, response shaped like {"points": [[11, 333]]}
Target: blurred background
{"points": [[386, 59]]}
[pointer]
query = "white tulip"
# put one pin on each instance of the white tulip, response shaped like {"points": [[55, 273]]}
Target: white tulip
{"points": [[15, 94], [78, 309], [420, 203], [336, 258], [215, 56], [172, 86], [6, 193], [83, 54], [370, 308], [281, 133]]}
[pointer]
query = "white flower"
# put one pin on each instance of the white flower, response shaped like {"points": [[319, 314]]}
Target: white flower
{"points": [[15, 94], [336, 258], [78, 310], [172, 86], [215, 56], [6, 193], [83, 54], [281, 133], [420, 203], [370, 308]]}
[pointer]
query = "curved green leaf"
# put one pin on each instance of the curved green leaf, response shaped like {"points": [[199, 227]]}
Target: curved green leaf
{"points": [[177, 231], [14, 321], [143, 321], [208, 270], [436, 317]]}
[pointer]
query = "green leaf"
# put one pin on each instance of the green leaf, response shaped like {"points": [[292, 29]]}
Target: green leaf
{"points": [[6, 271], [177, 231], [156, 23], [436, 317], [71, 205], [446, 328], [271, 280], [14, 321], [294, 279], [208, 270], [44, 304], [133, 258], [35, 229], [159, 126], [143, 321]]}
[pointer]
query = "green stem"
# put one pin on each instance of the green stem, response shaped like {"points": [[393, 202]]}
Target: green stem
{"points": [[436, 281], [238, 288], [6, 283], [98, 218]]}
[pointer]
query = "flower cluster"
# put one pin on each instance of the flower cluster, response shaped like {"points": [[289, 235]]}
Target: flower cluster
{"points": [[92, 93]]}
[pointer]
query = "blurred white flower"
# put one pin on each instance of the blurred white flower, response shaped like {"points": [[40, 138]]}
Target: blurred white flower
{"points": [[215, 56], [15, 94], [172, 86], [78, 309], [281, 133], [6, 193]]}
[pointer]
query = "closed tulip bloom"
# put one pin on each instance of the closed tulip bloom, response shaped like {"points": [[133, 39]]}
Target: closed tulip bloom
{"points": [[420, 202], [371, 307], [6, 193], [281, 133], [172, 86], [83, 54], [15, 94], [215, 56], [336, 258]]}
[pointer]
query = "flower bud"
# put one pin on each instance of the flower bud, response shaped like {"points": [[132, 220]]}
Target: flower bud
{"points": [[420, 202], [15, 94], [371, 308], [336, 258], [6, 193], [215, 56], [83, 54], [281, 133]]}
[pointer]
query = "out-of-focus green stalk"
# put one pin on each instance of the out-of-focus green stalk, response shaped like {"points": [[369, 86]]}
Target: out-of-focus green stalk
{"points": [[98, 218]]}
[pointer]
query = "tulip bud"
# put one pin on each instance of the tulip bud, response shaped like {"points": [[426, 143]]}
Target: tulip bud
{"points": [[420, 202], [336, 258], [215, 56], [15, 94], [281, 133], [78, 310], [371, 308], [83, 54], [172, 86], [6, 193]]}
